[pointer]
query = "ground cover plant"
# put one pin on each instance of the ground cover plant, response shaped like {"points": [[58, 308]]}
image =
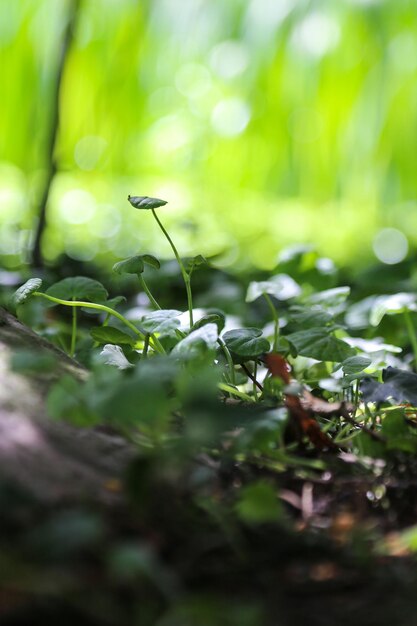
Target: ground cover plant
{"points": [[275, 429]]}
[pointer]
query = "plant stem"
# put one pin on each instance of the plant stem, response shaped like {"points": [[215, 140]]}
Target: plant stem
{"points": [[275, 318], [411, 333], [148, 292], [73, 332], [145, 347], [229, 360], [235, 392], [185, 276], [102, 307], [252, 377]]}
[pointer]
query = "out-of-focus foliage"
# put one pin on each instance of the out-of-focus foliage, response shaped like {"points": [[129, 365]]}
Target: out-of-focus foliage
{"points": [[263, 122]]}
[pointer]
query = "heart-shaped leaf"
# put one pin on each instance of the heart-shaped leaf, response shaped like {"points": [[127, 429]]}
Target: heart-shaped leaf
{"points": [[281, 286], [318, 343], [198, 342], [246, 343], [78, 288], [110, 334], [163, 321], [145, 202], [25, 291]]}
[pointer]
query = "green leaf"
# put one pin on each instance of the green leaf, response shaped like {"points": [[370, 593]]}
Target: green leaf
{"points": [[392, 305], [246, 342], [25, 291], [211, 318], [258, 503], [310, 318], [132, 265], [330, 298], [317, 343], [78, 288], [355, 364], [110, 334], [151, 260], [136, 264], [281, 286], [163, 321], [198, 342], [144, 202], [195, 262], [114, 355]]}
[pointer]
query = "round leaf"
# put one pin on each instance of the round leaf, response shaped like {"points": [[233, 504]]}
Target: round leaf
{"points": [[144, 202], [78, 288], [163, 321], [246, 342]]}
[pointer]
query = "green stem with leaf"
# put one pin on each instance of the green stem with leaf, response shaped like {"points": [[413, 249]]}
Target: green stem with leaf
{"points": [[156, 344], [184, 273]]}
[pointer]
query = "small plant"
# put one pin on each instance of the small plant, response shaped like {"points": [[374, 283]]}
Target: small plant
{"points": [[146, 203]]}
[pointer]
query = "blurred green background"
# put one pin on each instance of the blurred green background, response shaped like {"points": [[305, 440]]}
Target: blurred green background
{"points": [[262, 122]]}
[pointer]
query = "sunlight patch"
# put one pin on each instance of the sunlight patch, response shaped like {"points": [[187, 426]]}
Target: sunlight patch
{"points": [[390, 246]]}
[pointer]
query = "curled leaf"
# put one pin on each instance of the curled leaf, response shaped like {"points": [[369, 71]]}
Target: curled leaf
{"points": [[145, 202], [25, 291], [281, 287], [136, 264], [113, 355]]}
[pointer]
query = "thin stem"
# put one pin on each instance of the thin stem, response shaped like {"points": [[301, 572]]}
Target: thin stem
{"points": [[229, 360], [148, 292], [275, 318], [411, 333], [73, 332], [252, 377], [102, 307], [185, 276], [145, 347], [255, 371]]}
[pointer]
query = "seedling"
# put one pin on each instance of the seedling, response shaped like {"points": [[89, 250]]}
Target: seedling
{"points": [[144, 202]]}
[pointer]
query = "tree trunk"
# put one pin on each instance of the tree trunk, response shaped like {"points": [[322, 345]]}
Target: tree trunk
{"points": [[52, 460]]}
